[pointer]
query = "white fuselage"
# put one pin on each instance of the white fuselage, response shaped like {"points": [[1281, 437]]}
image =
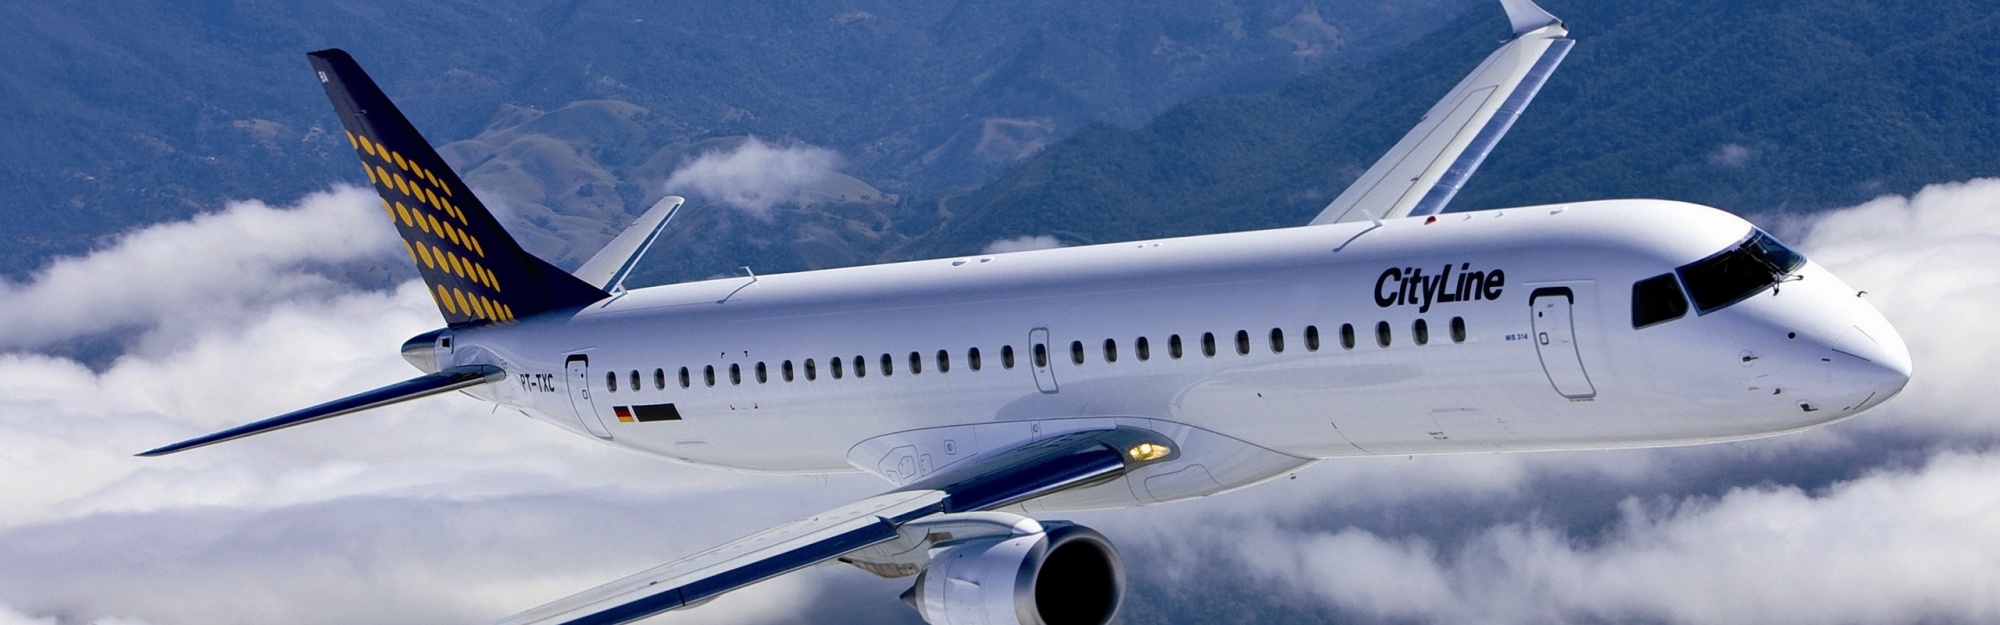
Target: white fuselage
{"points": [[1547, 359]]}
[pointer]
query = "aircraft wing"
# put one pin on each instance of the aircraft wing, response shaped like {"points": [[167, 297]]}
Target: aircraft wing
{"points": [[1428, 166], [995, 480]]}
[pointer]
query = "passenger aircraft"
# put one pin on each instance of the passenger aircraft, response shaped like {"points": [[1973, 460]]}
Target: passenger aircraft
{"points": [[988, 389]]}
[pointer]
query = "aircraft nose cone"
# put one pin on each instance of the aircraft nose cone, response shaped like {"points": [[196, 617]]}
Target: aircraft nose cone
{"points": [[1876, 359]]}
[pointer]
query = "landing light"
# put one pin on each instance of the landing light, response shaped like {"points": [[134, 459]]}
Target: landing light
{"points": [[1143, 452]]}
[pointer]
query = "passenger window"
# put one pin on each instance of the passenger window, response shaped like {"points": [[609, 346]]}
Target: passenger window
{"points": [[611, 382], [635, 380], [1421, 332], [1347, 336], [1312, 338], [659, 379], [812, 370], [1110, 351], [1242, 342], [972, 358], [708, 375], [860, 367], [1208, 344], [1458, 329], [1382, 333], [786, 369], [735, 374], [1041, 356], [1657, 300], [1076, 352], [916, 363], [685, 381], [944, 361], [1007, 356], [1174, 346], [888, 366], [1143, 349], [835, 363], [762, 377], [1277, 341]]}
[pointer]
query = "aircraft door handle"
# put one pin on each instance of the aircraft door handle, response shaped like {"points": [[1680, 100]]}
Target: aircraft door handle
{"points": [[1543, 337]]}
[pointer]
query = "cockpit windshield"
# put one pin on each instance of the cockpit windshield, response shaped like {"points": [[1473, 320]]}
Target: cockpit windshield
{"points": [[1739, 272]]}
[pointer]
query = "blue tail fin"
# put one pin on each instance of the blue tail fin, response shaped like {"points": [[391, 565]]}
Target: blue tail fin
{"points": [[476, 272]]}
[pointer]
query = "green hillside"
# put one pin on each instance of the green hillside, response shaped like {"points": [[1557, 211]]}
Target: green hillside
{"points": [[1791, 105], [115, 115]]}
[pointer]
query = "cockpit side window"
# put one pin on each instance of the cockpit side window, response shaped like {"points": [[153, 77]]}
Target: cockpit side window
{"points": [[1739, 272], [1657, 300]]}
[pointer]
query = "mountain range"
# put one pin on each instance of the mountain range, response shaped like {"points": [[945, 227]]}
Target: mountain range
{"points": [[123, 115]]}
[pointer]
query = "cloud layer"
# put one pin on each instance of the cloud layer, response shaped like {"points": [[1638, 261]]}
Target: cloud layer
{"points": [[1022, 244], [446, 511], [1914, 537], [756, 177], [216, 268], [439, 511]]}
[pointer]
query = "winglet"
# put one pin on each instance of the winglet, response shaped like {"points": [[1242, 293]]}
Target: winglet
{"points": [[444, 381], [1527, 16]]}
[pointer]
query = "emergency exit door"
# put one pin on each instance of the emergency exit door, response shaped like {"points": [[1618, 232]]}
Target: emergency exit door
{"points": [[1040, 356]]}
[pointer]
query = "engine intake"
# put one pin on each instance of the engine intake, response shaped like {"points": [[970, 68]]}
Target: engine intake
{"points": [[1066, 575]]}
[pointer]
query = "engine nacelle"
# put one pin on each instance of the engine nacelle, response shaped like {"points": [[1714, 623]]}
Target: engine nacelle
{"points": [[1067, 575]]}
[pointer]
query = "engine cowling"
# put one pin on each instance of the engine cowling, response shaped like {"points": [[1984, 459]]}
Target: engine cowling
{"points": [[1066, 575]]}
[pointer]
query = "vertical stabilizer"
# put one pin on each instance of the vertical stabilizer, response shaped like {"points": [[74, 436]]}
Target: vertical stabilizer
{"points": [[475, 270]]}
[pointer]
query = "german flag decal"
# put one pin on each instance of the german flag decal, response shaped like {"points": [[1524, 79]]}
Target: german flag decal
{"points": [[647, 413]]}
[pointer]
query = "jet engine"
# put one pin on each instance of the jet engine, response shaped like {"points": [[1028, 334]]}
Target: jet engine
{"points": [[1066, 575]]}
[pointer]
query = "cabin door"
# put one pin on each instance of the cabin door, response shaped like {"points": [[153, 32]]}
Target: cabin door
{"points": [[579, 396], [1555, 341], [1040, 356]]}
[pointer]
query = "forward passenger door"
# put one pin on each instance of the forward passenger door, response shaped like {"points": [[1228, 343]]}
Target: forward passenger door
{"points": [[579, 396], [1555, 341]]}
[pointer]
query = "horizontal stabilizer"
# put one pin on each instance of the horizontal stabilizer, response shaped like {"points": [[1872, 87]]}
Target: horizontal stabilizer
{"points": [[1430, 164], [444, 381], [609, 268]]}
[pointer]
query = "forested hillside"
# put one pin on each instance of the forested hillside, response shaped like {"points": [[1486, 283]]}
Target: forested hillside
{"points": [[1789, 105], [121, 114]]}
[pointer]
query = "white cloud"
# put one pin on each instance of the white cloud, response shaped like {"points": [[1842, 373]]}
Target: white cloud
{"points": [[1896, 546], [10, 617], [445, 511], [437, 511], [1915, 539], [1732, 155], [756, 176], [1927, 261], [217, 268], [1022, 244]]}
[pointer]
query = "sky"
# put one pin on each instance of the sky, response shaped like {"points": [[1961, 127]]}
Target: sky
{"points": [[449, 511]]}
